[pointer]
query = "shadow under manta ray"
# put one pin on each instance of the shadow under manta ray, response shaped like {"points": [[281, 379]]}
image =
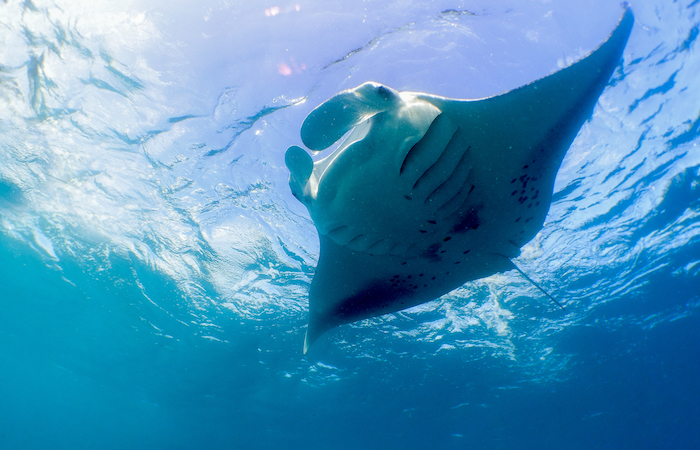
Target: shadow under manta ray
{"points": [[426, 192]]}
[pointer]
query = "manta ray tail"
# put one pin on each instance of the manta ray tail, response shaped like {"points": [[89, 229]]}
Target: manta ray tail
{"points": [[537, 286]]}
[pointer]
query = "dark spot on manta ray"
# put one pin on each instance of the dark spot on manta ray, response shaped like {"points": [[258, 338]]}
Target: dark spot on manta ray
{"points": [[469, 221], [423, 231], [433, 222], [443, 251], [514, 180], [513, 193], [403, 263], [432, 278], [408, 197], [431, 253], [368, 297], [447, 239], [465, 252], [518, 219]]}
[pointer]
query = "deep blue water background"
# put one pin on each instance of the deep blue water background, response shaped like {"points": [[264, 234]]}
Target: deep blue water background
{"points": [[154, 266]]}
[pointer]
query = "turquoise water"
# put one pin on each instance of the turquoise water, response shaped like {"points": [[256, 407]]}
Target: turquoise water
{"points": [[154, 265]]}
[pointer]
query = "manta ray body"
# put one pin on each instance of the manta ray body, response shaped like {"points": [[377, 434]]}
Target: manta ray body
{"points": [[426, 192]]}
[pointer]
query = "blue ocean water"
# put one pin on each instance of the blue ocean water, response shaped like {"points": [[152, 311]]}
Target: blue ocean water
{"points": [[154, 265]]}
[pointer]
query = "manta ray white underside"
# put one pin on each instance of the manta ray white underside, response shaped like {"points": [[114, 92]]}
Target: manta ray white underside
{"points": [[426, 193]]}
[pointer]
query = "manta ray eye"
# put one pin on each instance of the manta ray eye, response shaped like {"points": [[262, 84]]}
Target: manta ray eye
{"points": [[384, 93]]}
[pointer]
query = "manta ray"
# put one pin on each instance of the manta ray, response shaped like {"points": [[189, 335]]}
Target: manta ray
{"points": [[426, 193]]}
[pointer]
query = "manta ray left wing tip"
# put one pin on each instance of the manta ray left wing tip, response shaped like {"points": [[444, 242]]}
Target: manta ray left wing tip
{"points": [[314, 330], [306, 343]]}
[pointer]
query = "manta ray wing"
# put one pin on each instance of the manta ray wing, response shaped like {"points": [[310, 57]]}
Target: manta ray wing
{"points": [[426, 192]]}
